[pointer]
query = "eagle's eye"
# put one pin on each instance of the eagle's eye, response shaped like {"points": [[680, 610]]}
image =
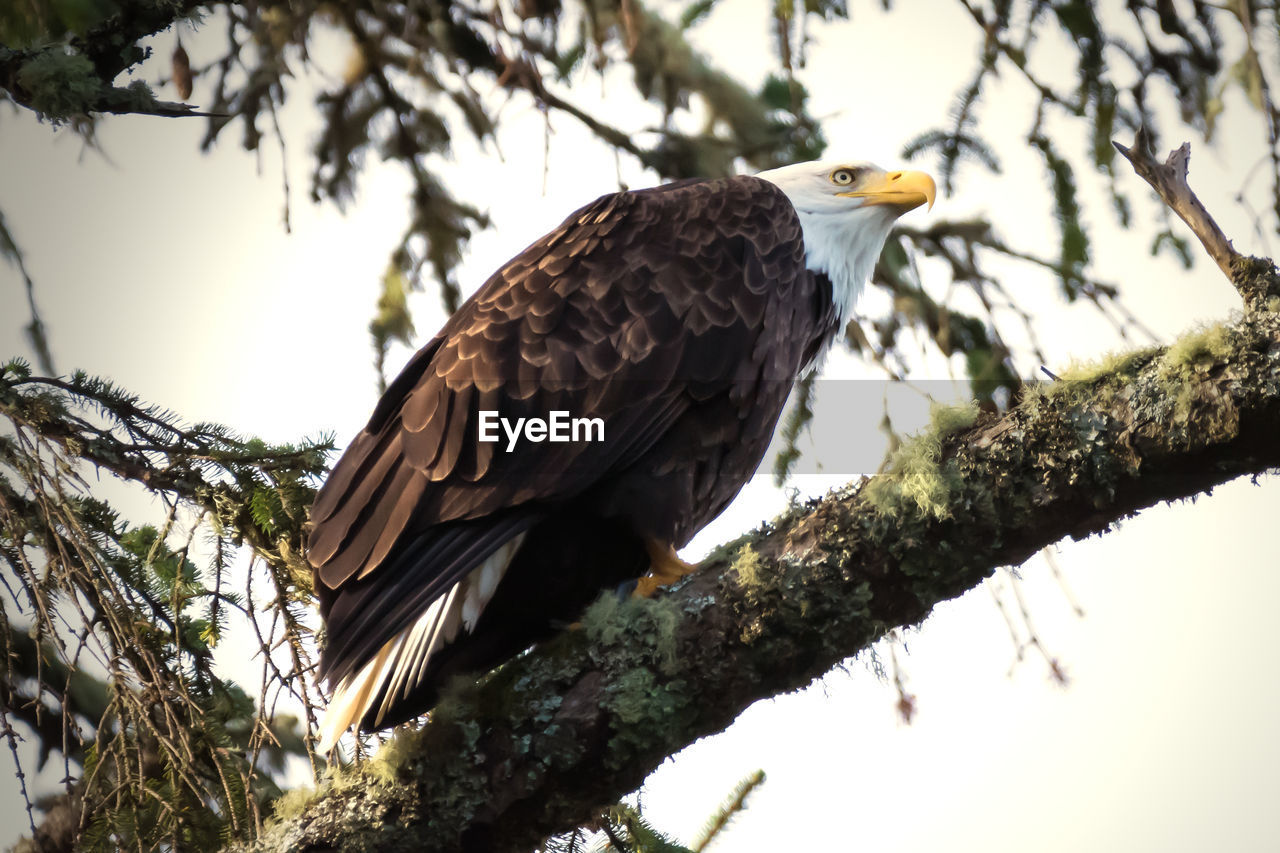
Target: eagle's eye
{"points": [[843, 177]]}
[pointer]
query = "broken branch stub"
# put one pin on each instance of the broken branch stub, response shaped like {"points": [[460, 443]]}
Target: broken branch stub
{"points": [[1169, 180]]}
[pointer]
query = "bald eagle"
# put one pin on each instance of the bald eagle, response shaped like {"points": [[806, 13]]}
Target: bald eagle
{"points": [[677, 316]]}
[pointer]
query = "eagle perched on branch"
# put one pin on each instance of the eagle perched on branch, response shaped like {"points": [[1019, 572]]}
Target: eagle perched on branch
{"points": [[678, 317]]}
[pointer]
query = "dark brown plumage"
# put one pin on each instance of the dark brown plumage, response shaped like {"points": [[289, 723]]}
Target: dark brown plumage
{"points": [[680, 316]]}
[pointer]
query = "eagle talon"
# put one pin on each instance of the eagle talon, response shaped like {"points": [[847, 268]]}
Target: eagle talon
{"points": [[665, 568]]}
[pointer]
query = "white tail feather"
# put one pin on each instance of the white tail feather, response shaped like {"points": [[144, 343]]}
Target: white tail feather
{"points": [[433, 627], [401, 663]]}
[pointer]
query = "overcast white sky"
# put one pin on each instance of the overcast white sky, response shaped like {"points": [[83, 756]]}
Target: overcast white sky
{"points": [[170, 273]]}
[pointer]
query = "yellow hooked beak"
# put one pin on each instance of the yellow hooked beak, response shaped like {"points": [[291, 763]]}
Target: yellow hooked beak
{"points": [[905, 190]]}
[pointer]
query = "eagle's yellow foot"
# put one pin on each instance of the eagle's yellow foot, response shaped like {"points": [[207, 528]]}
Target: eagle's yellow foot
{"points": [[664, 568]]}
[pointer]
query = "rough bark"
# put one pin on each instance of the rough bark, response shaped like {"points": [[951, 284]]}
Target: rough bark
{"points": [[582, 720]]}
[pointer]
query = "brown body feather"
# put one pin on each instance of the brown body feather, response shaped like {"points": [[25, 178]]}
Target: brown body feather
{"points": [[679, 315]]}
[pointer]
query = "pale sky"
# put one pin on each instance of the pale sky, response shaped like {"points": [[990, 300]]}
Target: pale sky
{"points": [[170, 273]]}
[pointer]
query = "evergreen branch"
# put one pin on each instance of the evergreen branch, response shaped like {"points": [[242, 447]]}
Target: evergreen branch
{"points": [[73, 690], [537, 746], [205, 465], [737, 802], [170, 751], [1074, 241]]}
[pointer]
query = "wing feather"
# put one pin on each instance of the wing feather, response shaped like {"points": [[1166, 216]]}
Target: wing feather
{"points": [[378, 467], [411, 497], [420, 408]]}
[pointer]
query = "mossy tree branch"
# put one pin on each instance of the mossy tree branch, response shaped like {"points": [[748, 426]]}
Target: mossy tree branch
{"points": [[544, 742], [63, 79]]}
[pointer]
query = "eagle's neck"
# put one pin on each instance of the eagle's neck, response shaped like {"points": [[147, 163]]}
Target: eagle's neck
{"points": [[844, 247]]}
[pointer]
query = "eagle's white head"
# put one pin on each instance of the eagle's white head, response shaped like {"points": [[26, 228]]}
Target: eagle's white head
{"points": [[846, 209]]}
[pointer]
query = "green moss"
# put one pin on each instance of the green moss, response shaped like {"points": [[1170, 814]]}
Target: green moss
{"points": [[137, 97], [1258, 283], [601, 619], [293, 803], [638, 622], [945, 420], [1086, 391], [635, 641], [394, 756], [648, 708], [1196, 348], [1093, 381], [60, 85], [746, 567], [918, 480], [632, 694], [1110, 364], [1188, 356]]}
